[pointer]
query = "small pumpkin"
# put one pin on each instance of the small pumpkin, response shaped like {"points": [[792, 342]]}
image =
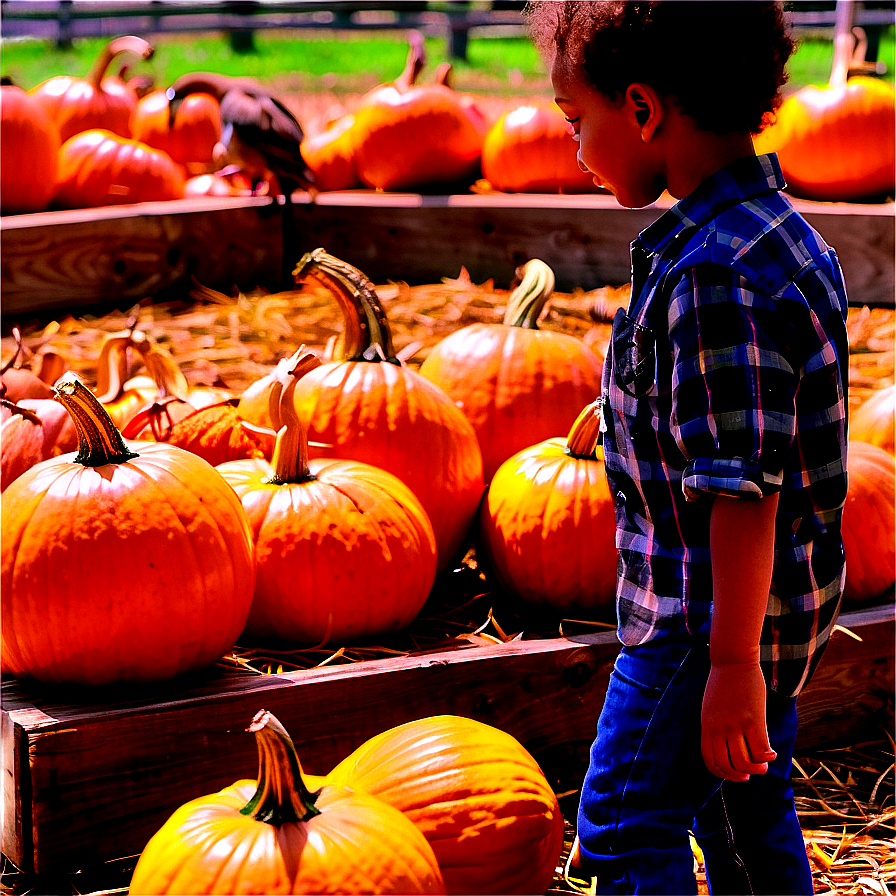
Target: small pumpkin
{"points": [[476, 794], [99, 168], [516, 384], [29, 150], [868, 526], [119, 566], [33, 430], [530, 150], [547, 527], [82, 104], [372, 408], [344, 549], [274, 835], [875, 420], [190, 138], [330, 154]]}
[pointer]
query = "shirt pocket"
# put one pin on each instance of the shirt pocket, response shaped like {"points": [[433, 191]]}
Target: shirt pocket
{"points": [[634, 355]]}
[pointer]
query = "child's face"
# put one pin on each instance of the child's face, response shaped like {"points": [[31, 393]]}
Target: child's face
{"points": [[609, 138]]}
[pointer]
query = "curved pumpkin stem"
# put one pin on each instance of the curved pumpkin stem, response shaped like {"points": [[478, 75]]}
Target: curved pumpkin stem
{"points": [[282, 795], [129, 43], [414, 65], [844, 43], [20, 345], [30, 416], [584, 434], [527, 301], [290, 460], [366, 336], [113, 367], [99, 442], [443, 74]]}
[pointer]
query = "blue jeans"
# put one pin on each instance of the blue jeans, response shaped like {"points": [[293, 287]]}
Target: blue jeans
{"points": [[647, 786]]}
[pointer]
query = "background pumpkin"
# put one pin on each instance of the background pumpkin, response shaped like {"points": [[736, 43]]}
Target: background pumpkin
{"points": [[330, 154], [274, 836], [191, 138], [547, 526], [875, 420], [119, 567], [100, 168], [29, 150], [516, 384], [81, 104]]}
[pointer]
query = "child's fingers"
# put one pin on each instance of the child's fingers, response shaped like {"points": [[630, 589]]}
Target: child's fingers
{"points": [[745, 760]]}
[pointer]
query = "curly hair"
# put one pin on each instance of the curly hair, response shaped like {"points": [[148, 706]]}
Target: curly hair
{"points": [[722, 61]]}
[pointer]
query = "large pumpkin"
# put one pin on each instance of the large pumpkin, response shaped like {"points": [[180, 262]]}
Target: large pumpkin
{"points": [[547, 528], [120, 566], [530, 150], [868, 526], [29, 151], [190, 138], [274, 835], [344, 549], [516, 384], [372, 408], [836, 143], [409, 136], [100, 168], [475, 792], [82, 104], [875, 420]]}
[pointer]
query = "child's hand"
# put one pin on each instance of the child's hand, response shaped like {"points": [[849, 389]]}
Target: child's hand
{"points": [[733, 734]]}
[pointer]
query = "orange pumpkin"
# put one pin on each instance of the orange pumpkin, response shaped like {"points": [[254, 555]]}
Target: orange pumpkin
{"points": [[476, 794], [82, 104], [409, 136], [372, 408], [31, 431], [119, 566], [29, 150], [868, 526], [530, 150], [836, 143], [345, 550], [875, 420], [516, 384], [274, 835], [547, 528], [191, 138], [330, 154], [100, 168]]}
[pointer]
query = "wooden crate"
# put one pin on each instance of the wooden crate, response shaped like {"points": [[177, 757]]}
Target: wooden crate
{"points": [[90, 776], [123, 254]]}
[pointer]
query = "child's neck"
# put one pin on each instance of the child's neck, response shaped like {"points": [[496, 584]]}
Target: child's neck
{"points": [[697, 154]]}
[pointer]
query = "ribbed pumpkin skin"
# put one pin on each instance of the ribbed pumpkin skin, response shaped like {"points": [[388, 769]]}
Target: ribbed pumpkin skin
{"points": [[548, 530], [128, 572], [29, 150], [875, 420], [99, 168], [357, 845], [354, 541], [516, 386], [868, 526], [836, 143], [477, 795], [194, 134], [391, 417], [76, 105], [530, 150]]}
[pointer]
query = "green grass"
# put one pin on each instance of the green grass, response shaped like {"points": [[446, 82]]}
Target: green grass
{"points": [[299, 61]]}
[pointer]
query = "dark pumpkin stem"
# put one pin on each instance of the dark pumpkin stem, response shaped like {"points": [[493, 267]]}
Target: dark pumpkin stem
{"points": [[30, 416], [282, 795], [584, 434], [527, 301], [99, 442], [129, 43], [366, 336]]}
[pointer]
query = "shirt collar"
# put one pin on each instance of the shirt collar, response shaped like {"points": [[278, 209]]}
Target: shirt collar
{"points": [[737, 182]]}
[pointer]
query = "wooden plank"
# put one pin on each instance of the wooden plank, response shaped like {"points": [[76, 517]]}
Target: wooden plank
{"points": [[102, 776], [122, 254]]}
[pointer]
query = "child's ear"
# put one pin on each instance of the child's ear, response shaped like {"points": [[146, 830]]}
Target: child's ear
{"points": [[646, 110]]}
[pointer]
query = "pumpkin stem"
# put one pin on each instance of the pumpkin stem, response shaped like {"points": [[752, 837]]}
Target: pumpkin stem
{"points": [[99, 442], [282, 795], [30, 416], [20, 345], [113, 366], [584, 435], [290, 460], [844, 44], [128, 43], [366, 324], [414, 65], [527, 301]]}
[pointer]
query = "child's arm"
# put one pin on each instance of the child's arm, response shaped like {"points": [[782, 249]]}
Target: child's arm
{"points": [[734, 738]]}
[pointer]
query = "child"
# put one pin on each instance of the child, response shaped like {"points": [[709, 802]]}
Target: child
{"points": [[724, 409]]}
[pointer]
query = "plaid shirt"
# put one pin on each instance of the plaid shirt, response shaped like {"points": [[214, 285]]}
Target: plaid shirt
{"points": [[728, 377]]}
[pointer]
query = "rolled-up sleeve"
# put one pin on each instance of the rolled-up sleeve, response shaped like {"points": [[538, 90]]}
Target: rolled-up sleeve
{"points": [[733, 387]]}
